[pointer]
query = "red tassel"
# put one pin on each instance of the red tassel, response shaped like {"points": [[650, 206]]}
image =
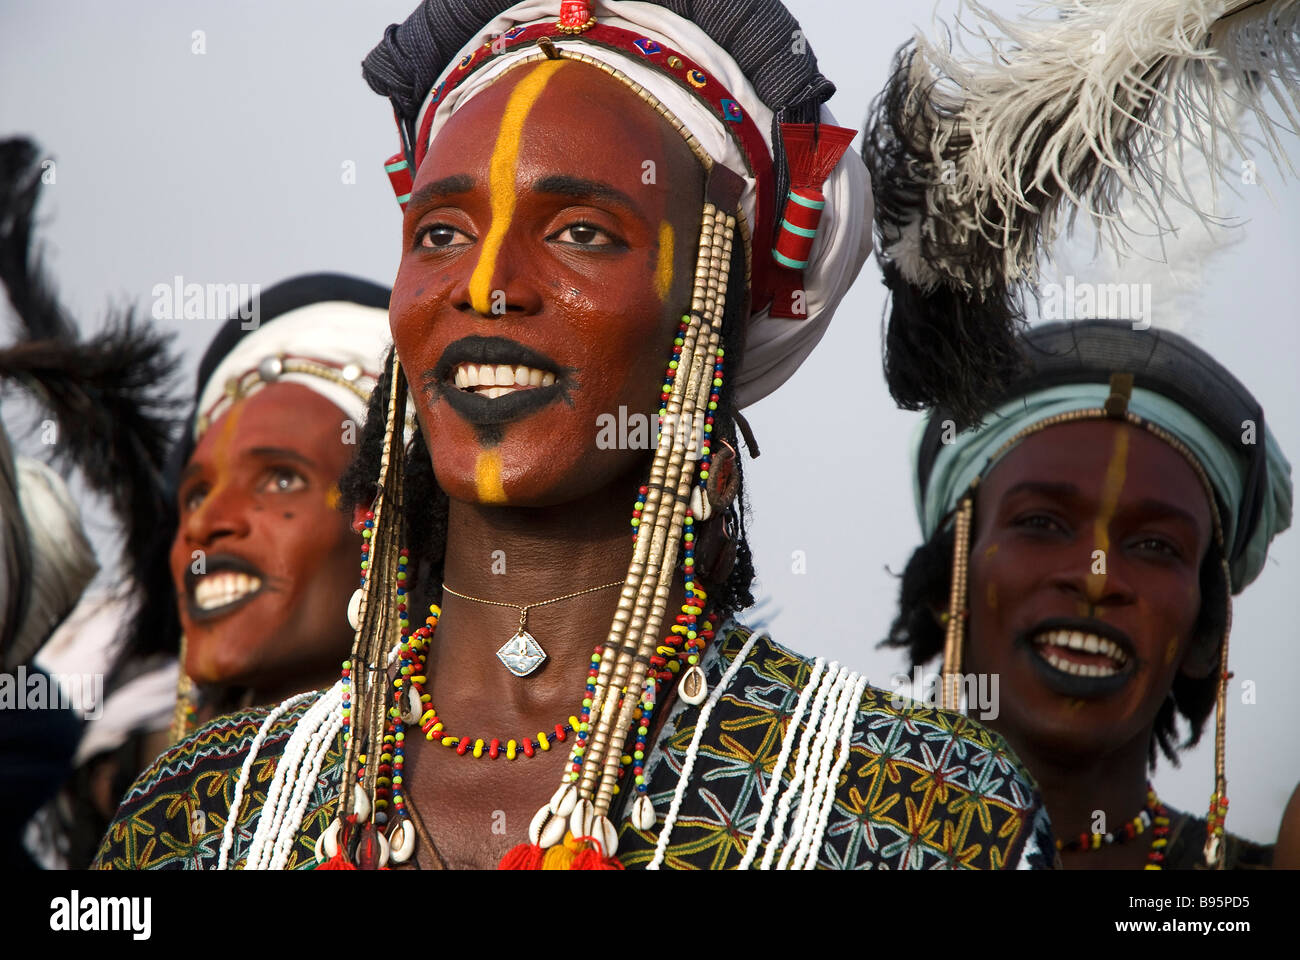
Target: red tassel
{"points": [[525, 856], [368, 848], [811, 154], [337, 862], [592, 857]]}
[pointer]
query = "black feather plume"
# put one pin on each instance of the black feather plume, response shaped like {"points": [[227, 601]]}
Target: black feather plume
{"points": [[112, 394]]}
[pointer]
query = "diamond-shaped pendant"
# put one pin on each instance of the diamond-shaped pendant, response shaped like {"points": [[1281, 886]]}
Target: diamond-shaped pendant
{"points": [[521, 654]]}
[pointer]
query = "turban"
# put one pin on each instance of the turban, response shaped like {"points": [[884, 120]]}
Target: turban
{"points": [[1176, 386], [731, 72], [326, 332]]}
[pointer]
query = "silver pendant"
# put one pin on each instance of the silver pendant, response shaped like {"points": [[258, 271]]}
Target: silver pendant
{"points": [[521, 654]]}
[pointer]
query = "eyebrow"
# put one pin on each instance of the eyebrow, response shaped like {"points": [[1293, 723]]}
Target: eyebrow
{"points": [[446, 187], [1040, 487], [1162, 508], [282, 453], [566, 186]]}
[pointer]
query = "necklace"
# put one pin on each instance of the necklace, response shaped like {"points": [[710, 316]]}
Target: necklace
{"points": [[1154, 815], [522, 654]]}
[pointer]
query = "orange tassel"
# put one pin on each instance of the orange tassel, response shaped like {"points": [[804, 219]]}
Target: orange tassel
{"points": [[525, 856]]}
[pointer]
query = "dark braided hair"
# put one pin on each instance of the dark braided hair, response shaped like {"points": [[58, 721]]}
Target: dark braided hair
{"points": [[923, 591], [425, 517]]}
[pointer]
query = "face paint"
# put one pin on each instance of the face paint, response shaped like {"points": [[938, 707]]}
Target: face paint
{"points": [[221, 455], [1116, 471], [988, 554], [332, 496], [1171, 650], [502, 177], [664, 263], [487, 477]]}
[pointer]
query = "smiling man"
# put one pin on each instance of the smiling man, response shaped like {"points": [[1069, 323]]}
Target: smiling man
{"points": [[262, 561], [1082, 547]]}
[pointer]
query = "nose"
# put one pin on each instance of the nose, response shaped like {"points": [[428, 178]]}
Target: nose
{"points": [[222, 514], [1099, 578], [504, 281]]}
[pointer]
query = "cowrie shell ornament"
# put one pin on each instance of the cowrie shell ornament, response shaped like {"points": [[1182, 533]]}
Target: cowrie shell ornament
{"points": [[693, 687]]}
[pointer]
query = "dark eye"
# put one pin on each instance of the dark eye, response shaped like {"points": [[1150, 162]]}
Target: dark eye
{"points": [[1158, 545], [439, 235], [585, 235], [193, 497], [1037, 521], [283, 480]]}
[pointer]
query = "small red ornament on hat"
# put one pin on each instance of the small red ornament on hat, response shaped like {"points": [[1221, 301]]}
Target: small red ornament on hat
{"points": [[811, 152], [575, 16]]}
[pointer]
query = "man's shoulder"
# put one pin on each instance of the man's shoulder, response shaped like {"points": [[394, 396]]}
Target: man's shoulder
{"points": [[916, 786]]}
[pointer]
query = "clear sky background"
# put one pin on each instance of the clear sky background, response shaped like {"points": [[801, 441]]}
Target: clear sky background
{"points": [[227, 167]]}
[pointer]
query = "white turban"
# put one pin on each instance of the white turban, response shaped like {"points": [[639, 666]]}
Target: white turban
{"points": [[348, 338]]}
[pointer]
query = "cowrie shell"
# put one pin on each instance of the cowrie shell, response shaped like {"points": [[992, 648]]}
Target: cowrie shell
{"points": [[354, 609], [414, 708], [553, 832], [360, 804], [643, 813], [327, 844], [693, 687], [604, 831], [580, 821], [564, 800], [536, 824], [700, 507], [403, 841], [384, 849]]}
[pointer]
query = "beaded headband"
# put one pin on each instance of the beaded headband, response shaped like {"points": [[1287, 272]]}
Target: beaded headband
{"points": [[273, 368]]}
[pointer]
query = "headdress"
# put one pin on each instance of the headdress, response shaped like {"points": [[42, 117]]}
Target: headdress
{"points": [[1157, 381], [976, 160], [111, 418], [785, 205]]}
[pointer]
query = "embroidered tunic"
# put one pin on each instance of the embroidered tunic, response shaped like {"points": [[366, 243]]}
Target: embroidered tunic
{"points": [[921, 788]]}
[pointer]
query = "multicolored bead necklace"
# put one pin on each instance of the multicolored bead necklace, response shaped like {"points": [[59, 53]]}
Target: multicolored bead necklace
{"points": [[1155, 813], [411, 702]]}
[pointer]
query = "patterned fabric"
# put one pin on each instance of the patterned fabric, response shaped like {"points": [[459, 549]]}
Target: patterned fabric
{"points": [[922, 788]]}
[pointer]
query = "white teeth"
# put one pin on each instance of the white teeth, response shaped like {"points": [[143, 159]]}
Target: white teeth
{"points": [[1085, 642], [219, 589], [1076, 641], [1092, 644], [487, 376]]}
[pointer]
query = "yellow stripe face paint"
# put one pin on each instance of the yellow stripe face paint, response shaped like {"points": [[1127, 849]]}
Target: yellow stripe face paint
{"points": [[664, 264], [501, 177], [1116, 471], [487, 477]]}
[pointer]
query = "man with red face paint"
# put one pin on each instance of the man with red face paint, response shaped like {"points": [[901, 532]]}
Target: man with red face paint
{"points": [[259, 553], [1081, 550], [614, 213]]}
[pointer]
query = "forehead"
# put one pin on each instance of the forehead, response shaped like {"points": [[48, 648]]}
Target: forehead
{"points": [[571, 115], [286, 415], [1087, 452]]}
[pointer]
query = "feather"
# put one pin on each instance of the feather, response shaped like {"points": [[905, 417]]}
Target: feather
{"points": [[111, 394], [978, 160]]}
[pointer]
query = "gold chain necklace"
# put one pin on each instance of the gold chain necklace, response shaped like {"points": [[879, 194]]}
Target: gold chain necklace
{"points": [[522, 654]]}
